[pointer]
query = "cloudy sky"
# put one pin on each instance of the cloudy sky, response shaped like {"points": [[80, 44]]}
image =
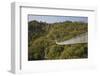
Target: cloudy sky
{"points": [[53, 19]]}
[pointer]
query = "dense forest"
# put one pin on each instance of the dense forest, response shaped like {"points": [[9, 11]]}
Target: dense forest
{"points": [[42, 39]]}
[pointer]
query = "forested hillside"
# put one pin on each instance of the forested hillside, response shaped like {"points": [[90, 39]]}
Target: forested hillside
{"points": [[42, 39]]}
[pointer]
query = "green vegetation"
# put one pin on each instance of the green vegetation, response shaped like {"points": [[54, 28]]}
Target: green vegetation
{"points": [[42, 37]]}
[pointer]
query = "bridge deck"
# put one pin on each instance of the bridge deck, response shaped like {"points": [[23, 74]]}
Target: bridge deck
{"points": [[83, 38]]}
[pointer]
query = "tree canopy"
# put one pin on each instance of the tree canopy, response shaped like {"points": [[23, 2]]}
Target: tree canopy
{"points": [[42, 36]]}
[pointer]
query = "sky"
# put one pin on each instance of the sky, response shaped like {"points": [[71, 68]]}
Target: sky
{"points": [[53, 19]]}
